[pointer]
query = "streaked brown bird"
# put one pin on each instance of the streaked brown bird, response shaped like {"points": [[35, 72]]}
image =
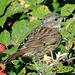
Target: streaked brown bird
{"points": [[42, 39]]}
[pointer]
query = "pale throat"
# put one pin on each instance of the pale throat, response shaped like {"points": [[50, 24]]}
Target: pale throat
{"points": [[58, 28]]}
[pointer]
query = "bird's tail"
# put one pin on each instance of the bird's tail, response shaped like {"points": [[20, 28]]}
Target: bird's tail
{"points": [[13, 56]]}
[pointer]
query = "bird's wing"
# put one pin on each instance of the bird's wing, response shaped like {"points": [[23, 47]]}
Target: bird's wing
{"points": [[42, 36]]}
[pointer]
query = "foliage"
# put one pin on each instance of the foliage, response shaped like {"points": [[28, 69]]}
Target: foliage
{"points": [[19, 18]]}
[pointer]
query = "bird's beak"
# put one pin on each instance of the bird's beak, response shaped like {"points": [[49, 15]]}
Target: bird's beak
{"points": [[63, 17]]}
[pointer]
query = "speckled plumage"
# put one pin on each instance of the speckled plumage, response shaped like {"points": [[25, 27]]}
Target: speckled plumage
{"points": [[42, 39]]}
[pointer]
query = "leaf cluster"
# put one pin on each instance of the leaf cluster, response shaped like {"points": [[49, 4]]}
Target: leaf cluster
{"points": [[20, 17]]}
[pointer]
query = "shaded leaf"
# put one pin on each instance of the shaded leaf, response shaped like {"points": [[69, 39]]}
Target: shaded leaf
{"points": [[63, 49], [22, 72], [11, 51], [24, 16], [31, 67], [12, 73], [56, 5], [15, 62]]}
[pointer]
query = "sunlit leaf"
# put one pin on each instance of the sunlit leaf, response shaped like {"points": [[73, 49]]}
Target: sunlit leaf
{"points": [[64, 10], [5, 38], [3, 5], [40, 11]]}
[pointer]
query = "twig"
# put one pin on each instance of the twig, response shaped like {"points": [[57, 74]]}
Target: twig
{"points": [[70, 12], [68, 60], [51, 55]]}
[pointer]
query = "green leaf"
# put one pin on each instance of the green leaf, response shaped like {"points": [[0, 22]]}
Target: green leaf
{"points": [[2, 21], [30, 2], [70, 44], [24, 16], [40, 11], [12, 73], [3, 4], [56, 5], [33, 7], [39, 1], [17, 66], [63, 69], [65, 34], [71, 28], [32, 73], [64, 11], [8, 52], [63, 49], [21, 29], [11, 51], [23, 71], [31, 67], [5, 38], [15, 62], [16, 8], [20, 59], [33, 2], [3, 56], [18, 31], [54, 1]]}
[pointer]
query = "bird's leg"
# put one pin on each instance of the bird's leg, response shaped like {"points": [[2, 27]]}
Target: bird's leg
{"points": [[49, 47], [51, 54]]}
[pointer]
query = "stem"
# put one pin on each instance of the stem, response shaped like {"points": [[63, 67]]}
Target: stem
{"points": [[51, 54]]}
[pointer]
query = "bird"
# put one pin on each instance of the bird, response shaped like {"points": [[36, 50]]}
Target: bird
{"points": [[43, 39]]}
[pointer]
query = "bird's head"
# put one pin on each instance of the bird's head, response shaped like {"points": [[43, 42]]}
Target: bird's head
{"points": [[52, 20]]}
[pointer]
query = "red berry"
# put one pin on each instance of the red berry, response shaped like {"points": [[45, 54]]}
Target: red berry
{"points": [[11, 4], [67, 43], [2, 66], [3, 72], [10, 24], [63, 67], [74, 43], [68, 7], [2, 48]]}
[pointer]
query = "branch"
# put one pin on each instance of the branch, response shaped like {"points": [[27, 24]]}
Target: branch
{"points": [[70, 12], [68, 60]]}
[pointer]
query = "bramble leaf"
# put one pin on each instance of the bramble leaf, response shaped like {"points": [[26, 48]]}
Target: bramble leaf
{"points": [[3, 4], [70, 7], [40, 11], [21, 29], [2, 21], [5, 38]]}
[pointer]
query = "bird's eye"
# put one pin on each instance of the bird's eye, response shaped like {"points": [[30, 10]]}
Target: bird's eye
{"points": [[56, 19]]}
